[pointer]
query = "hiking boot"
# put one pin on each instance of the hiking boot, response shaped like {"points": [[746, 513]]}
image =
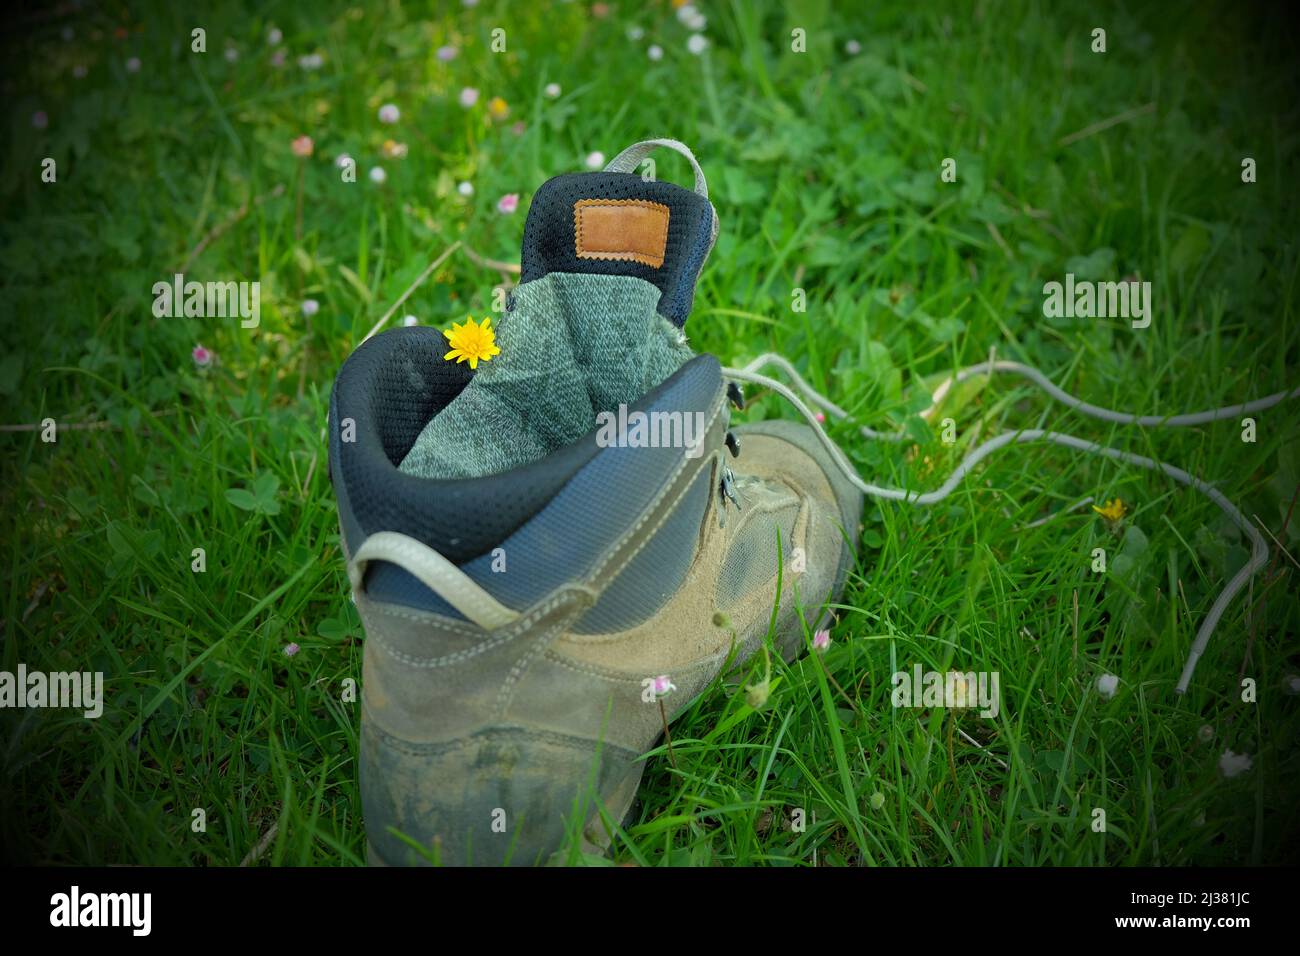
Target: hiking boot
{"points": [[541, 544]]}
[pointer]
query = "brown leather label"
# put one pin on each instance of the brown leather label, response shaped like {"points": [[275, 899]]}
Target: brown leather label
{"points": [[635, 230]]}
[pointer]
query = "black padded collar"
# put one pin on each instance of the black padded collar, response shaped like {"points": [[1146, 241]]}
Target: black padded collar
{"points": [[390, 387]]}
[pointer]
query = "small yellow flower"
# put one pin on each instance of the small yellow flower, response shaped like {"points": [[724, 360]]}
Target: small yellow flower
{"points": [[471, 342], [958, 691], [498, 107], [1113, 511]]}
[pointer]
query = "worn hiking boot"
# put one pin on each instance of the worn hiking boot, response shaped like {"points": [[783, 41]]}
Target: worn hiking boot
{"points": [[533, 542]]}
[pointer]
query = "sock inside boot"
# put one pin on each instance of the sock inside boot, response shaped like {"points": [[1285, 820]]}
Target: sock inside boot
{"points": [[572, 345]]}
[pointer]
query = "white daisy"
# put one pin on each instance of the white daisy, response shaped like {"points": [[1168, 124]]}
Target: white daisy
{"points": [[1232, 765]]}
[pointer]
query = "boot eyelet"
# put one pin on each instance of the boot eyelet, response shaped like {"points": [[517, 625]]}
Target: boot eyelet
{"points": [[728, 486]]}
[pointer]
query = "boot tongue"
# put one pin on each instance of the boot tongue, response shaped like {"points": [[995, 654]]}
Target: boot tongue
{"points": [[618, 224], [608, 272]]}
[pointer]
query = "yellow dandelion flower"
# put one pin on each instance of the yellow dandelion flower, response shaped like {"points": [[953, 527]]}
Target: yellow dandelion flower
{"points": [[1113, 510], [471, 342], [498, 107]]}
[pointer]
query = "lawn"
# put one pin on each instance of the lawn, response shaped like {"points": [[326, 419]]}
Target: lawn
{"points": [[848, 244]]}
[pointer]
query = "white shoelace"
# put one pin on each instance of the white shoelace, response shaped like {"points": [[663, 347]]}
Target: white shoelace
{"points": [[1259, 549]]}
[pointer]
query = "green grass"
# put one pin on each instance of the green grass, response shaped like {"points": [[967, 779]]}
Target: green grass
{"points": [[825, 171]]}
